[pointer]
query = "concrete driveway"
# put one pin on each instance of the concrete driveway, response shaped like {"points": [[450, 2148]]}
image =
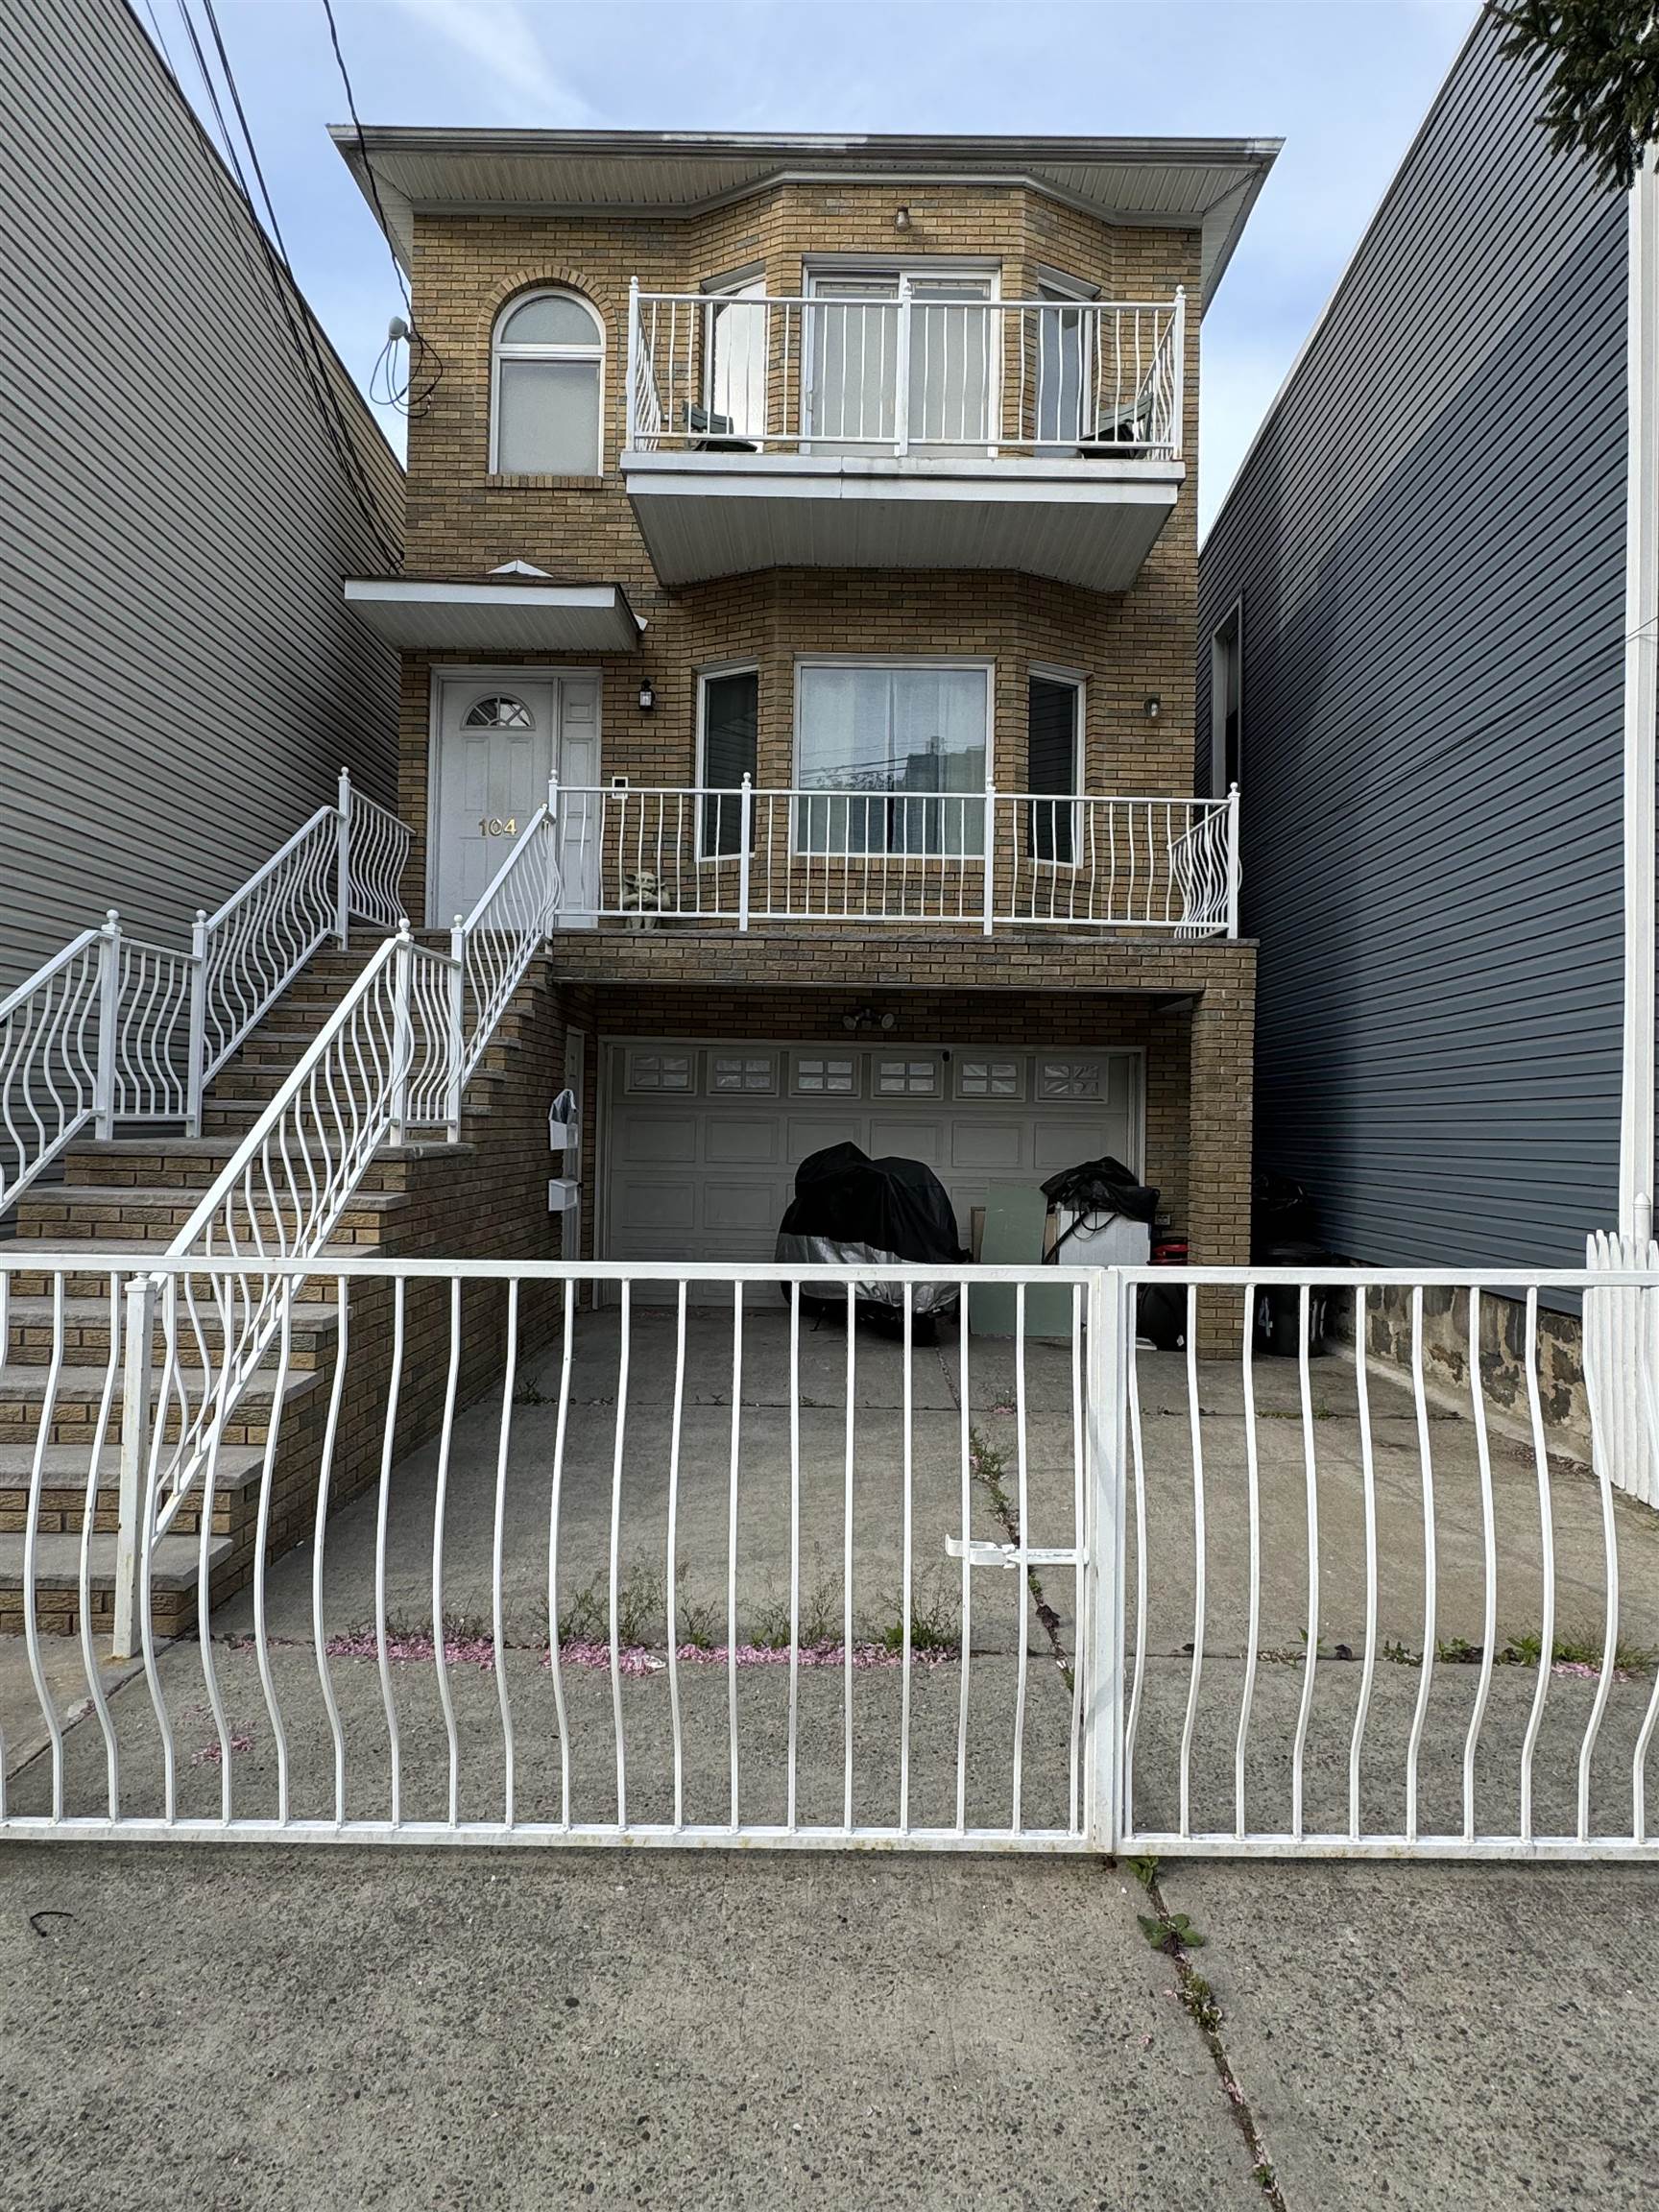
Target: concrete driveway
{"points": [[462, 2029], [953, 1445]]}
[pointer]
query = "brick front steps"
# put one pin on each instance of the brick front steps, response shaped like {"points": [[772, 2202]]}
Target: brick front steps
{"points": [[126, 1200]]}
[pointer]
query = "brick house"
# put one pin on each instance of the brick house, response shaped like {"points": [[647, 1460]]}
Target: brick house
{"points": [[816, 514]]}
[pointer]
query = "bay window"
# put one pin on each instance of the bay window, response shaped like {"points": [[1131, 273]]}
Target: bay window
{"points": [[890, 758]]}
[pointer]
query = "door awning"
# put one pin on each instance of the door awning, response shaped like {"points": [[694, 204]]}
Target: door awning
{"points": [[498, 615]]}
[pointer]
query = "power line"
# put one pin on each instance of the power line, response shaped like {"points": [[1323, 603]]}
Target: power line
{"points": [[301, 331], [362, 151], [302, 326], [383, 383]]}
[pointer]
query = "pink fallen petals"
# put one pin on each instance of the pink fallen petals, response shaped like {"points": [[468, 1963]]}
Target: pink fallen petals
{"points": [[213, 1754], [639, 1659]]}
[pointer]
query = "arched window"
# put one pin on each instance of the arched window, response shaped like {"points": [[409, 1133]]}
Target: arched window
{"points": [[547, 367], [499, 714]]}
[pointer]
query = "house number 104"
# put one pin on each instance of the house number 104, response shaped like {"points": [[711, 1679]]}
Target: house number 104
{"points": [[492, 826]]}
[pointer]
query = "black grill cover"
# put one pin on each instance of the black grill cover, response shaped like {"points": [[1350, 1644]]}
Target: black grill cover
{"points": [[895, 1207]]}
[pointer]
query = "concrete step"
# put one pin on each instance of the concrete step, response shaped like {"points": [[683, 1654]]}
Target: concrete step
{"points": [[79, 1395], [174, 1564], [146, 1162], [104, 1215], [31, 1330], [63, 1473]]}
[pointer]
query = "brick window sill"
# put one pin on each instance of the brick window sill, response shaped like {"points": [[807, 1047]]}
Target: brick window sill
{"points": [[549, 484]]}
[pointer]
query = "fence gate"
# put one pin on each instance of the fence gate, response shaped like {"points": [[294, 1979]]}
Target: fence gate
{"points": [[989, 1559]]}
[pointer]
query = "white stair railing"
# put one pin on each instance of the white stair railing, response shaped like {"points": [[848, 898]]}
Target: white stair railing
{"points": [[491, 948], [379, 1070], [114, 1030], [392, 1059]]}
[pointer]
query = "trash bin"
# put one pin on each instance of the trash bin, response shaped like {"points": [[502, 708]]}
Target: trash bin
{"points": [[1279, 1305]]}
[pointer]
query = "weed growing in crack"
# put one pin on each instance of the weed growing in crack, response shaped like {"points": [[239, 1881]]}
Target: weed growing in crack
{"points": [[935, 1619], [585, 1618], [989, 1468]]}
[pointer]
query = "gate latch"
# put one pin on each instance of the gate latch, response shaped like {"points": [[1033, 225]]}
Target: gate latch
{"points": [[978, 1553]]}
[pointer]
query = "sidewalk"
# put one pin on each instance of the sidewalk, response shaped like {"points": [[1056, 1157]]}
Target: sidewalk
{"points": [[249, 2029]]}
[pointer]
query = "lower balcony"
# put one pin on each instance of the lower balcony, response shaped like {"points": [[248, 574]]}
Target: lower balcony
{"points": [[992, 861]]}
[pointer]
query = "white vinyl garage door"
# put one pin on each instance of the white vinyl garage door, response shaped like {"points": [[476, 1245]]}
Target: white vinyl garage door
{"points": [[701, 1142]]}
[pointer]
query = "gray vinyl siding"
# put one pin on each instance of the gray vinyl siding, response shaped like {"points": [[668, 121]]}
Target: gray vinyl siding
{"points": [[1429, 540], [180, 683]]}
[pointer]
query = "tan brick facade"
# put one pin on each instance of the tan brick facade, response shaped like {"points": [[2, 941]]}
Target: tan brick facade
{"points": [[1189, 1006]]}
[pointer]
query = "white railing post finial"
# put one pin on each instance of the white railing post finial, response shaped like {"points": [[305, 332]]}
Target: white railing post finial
{"points": [[1235, 870], [137, 1406], [745, 837], [989, 915], [404, 1032], [902, 372], [630, 401], [109, 1024], [456, 1042], [195, 1079], [343, 864]]}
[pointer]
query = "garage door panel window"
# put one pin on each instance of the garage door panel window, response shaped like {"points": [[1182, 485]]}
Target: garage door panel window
{"points": [[814, 1075], [747, 1074], [891, 759], [728, 716], [656, 1073], [978, 1078], [1068, 1079], [907, 1079]]}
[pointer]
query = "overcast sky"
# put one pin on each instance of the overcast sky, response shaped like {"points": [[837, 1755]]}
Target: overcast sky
{"points": [[1344, 82]]}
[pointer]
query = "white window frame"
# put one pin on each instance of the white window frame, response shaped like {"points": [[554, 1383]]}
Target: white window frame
{"points": [[935, 661], [845, 268], [1057, 288], [713, 671], [1076, 681], [746, 283], [500, 347]]}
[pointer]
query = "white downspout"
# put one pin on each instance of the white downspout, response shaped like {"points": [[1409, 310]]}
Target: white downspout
{"points": [[1636, 1118]]}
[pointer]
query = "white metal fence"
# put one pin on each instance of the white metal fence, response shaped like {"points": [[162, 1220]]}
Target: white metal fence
{"points": [[922, 368], [752, 1565], [745, 856], [112, 1028]]}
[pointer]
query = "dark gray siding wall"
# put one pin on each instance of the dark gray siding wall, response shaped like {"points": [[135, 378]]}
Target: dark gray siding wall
{"points": [[1429, 542], [180, 683]]}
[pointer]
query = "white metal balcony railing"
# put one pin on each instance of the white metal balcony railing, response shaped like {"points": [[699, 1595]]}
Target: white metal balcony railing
{"points": [[908, 373], [645, 856]]}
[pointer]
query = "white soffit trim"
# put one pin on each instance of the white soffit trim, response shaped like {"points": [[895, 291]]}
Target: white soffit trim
{"points": [[430, 614]]}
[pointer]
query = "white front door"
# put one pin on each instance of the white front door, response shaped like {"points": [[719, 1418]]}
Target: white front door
{"points": [[498, 738]]}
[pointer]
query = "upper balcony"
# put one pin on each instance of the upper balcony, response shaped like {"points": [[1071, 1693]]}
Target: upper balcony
{"points": [[923, 427]]}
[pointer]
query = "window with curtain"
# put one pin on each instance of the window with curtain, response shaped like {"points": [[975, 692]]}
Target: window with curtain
{"points": [[1052, 769], [547, 365], [730, 709], [899, 754]]}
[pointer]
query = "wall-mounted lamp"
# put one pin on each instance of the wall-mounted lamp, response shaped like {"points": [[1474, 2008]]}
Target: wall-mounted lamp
{"points": [[902, 221], [1152, 707], [870, 1018], [647, 697]]}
